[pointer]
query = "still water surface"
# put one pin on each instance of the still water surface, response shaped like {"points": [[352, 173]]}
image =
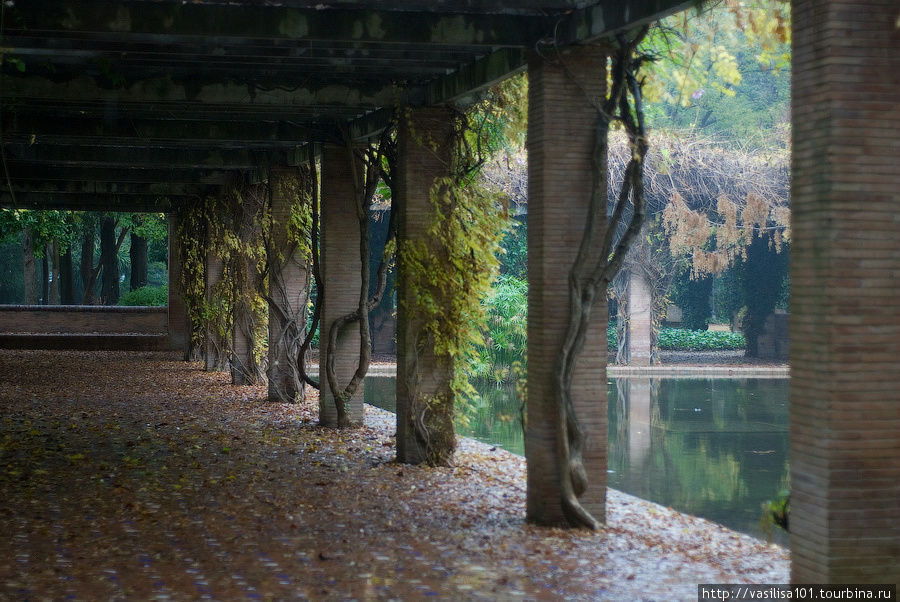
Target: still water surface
{"points": [[715, 448]]}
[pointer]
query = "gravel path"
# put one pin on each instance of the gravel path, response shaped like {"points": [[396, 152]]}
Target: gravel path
{"points": [[132, 476]]}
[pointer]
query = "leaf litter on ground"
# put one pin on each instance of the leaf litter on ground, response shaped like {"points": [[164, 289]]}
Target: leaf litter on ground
{"points": [[135, 476]]}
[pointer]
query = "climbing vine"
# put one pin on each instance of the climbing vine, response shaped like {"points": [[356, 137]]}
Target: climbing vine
{"points": [[600, 255], [448, 272], [236, 229], [289, 250], [370, 161]]}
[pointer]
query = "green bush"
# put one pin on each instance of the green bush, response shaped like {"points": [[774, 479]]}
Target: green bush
{"points": [[146, 295], [505, 338], [678, 339]]}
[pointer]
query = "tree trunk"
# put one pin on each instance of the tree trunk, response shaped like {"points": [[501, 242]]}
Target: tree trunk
{"points": [[88, 275], [30, 281], [45, 280], [138, 256], [109, 261], [53, 252], [66, 278]]}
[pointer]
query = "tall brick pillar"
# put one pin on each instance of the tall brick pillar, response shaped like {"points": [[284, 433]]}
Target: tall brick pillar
{"points": [[561, 124], [845, 304], [422, 376], [340, 265], [288, 289], [179, 326], [640, 319]]}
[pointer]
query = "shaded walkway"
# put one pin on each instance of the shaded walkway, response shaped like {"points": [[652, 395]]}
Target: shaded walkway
{"points": [[134, 476]]}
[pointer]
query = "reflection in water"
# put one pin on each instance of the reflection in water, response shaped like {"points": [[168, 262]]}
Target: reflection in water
{"points": [[716, 448]]}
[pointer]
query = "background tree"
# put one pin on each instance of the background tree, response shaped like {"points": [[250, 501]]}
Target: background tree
{"points": [[138, 254], [723, 69], [45, 234], [109, 260]]}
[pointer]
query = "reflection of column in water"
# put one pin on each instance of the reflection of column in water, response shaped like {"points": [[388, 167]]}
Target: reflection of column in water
{"points": [[717, 395], [639, 395]]}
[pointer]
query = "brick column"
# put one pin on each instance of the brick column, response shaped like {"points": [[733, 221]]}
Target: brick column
{"points": [[638, 310], [339, 250], [845, 314], [561, 125], [424, 147], [288, 289], [214, 352], [179, 326]]}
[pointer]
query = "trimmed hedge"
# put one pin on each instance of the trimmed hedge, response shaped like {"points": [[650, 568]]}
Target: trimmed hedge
{"points": [[679, 339], [146, 295]]}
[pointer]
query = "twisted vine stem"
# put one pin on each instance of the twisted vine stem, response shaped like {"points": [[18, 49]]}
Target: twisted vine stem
{"points": [[592, 269], [365, 192]]}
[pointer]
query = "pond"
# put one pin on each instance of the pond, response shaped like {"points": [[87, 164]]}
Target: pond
{"points": [[716, 448]]}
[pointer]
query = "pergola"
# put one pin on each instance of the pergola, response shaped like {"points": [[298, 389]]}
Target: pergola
{"points": [[150, 105]]}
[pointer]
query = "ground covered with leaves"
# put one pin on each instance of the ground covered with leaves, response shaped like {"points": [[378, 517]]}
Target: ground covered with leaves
{"points": [[133, 476]]}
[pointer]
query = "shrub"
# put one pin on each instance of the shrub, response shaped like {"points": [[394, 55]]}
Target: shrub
{"points": [[677, 339], [146, 295], [505, 337]]}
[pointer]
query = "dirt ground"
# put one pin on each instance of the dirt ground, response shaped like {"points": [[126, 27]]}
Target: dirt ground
{"points": [[132, 476]]}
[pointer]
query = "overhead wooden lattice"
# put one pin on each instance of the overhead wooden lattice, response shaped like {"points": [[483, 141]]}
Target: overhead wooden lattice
{"points": [[142, 104]]}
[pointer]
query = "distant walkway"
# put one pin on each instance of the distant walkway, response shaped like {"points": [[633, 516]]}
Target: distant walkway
{"points": [[132, 476]]}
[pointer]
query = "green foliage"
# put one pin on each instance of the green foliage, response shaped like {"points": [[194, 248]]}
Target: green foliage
{"points": [[45, 227], [728, 298], [152, 226], [778, 511], [499, 121], [157, 273], [514, 254], [612, 336], [762, 278], [692, 296], [11, 270], [506, 332], [451, 270], [146, 295], [678, 339], [724, 69]]}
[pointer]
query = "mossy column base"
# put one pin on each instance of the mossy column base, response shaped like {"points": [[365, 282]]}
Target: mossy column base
{"points": [[424, 397]]}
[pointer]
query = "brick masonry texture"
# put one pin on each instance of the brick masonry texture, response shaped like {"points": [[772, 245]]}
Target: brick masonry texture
{"points": [[561, 124], [420, 165], [339, 248], [845, 276], [83, 319]]}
